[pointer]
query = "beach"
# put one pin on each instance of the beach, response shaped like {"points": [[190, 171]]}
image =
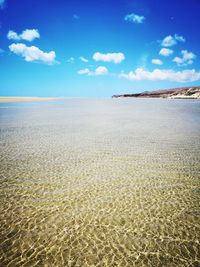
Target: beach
{"points": [[11, 99], [100, 182]]}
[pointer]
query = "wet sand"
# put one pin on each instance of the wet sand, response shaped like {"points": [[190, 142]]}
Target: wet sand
{"points": [[11, 99], [100, 183]]}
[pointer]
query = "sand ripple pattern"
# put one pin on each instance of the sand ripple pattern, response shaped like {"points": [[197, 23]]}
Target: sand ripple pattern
{"points": [[100, 183]]}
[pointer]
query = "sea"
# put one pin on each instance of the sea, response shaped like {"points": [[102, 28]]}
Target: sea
{"points": [[100, 182]]}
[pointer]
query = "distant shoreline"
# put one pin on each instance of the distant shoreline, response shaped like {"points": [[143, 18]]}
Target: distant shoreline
{"points": [[173, 93], [12, 99], [155, 97]]}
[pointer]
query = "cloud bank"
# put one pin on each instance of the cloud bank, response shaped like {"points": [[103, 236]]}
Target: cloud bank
{"points": [[141, 74]]}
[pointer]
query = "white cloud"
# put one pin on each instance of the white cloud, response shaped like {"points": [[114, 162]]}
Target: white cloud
{"points": [[172, 40], [178, 61], [30, 35], [27, 35], [187, 55], [168, 41], [101, 70], [166, 52], [162, 75], [13, 36], [134, 18], [33, 53], [109, 57], [2, 2], [71, 60], [83, 59], [157, 61], [179, 38], [186, 59], [84, 71]]}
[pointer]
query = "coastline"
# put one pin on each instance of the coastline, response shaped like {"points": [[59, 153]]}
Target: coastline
{"points": [[159, 97], [173, 93], [12, 99]]}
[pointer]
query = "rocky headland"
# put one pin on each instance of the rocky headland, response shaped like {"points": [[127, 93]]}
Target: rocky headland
{"points": [[182, 93]]}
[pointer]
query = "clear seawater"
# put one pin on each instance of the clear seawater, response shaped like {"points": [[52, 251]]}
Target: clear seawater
{"points": [[100, 182]]}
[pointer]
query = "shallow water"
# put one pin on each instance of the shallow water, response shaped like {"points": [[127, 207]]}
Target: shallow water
{"points": [[100, 182]]}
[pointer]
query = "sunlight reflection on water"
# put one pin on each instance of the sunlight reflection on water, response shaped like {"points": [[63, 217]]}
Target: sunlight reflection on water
{"points": [[100, 182]]}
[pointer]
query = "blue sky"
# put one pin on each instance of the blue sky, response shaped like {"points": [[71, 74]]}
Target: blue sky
{"points": [[97, 48]]}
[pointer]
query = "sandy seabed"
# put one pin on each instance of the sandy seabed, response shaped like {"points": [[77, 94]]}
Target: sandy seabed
{"points": [[100, 183]]}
